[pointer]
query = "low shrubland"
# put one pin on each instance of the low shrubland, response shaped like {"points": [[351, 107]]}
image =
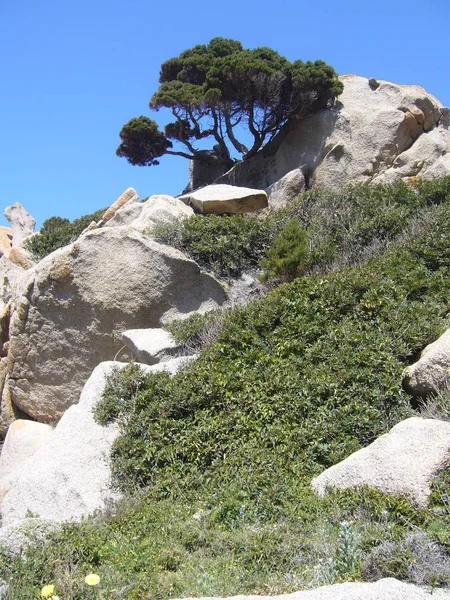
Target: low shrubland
{"points": [[215, 464], [57, 232], [343, 227]]}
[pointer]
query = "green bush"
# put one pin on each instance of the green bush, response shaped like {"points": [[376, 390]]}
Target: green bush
{"points": [[57, 232], [226, 244], [343, 227], [286, 260]]}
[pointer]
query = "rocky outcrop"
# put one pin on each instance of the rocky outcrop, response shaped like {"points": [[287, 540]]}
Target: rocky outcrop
{"points": [[128, 197], [403, 462], [151, 346], [69, 312], [377, 132], [286, 189], [21, 258], [22, 223], [5, 241], [432, 371], [69, 477], [145, 216], [23, 439], [383, 589], [221, 199]]}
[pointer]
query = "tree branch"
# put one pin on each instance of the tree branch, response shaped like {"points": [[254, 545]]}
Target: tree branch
{"points": [[219, 139], [258, 140], [183, 154], [236, 143]]}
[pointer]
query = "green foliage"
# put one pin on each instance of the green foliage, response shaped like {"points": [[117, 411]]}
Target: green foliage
{"points": [[212, 89], [142, 142], [198, 330], [57, 232], [208, 546], [224, 244], [297, 381], [221, 456], [343, 227], [286, 259]]}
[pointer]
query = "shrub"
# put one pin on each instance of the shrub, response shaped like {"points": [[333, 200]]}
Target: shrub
{"points": [[226, 244], [286, 259], [198, 330], [343, 228], [57, 232]]}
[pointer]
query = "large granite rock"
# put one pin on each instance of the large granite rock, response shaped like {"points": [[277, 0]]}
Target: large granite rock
{"points": [[286, 189], [403, 462], [70, 310], [151, 346], [221, 199], [432, 370], [69, 477], [22, 223], [144, 216], [377, 132], [384, 589], [23, 439]]}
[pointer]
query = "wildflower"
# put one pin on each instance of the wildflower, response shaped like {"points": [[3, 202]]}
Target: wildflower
{"points": [[92, 579], [47, 591]]}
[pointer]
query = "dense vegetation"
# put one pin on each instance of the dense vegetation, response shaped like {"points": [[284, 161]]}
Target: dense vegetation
{"points": [[57, 232], [343, 228], [216, 462], [216, 91]]}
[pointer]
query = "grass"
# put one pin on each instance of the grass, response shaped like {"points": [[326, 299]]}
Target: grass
{"points": [[216, 463]]}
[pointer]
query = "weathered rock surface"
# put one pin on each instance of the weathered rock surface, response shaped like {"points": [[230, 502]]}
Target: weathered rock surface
{"points": [[151, 346], [22, 223], [221, 199], [5, 241], [403, 462], [146, 215], [23, 439], [10, 277], [69, 477], [376, 132], [21, 258], [17, 537], [432, 370], [69, 312], [384, 589], [286, 189], [128, 197], [8, 411]]}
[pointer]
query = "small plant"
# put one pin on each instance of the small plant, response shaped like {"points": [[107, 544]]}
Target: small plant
{"points": [[348, 556], [286, 259]]}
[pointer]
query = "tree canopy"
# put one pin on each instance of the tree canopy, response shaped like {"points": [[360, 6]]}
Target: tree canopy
{"points": [[217, 91]]}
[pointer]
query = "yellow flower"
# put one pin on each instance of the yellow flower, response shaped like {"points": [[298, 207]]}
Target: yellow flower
{"points": [[47, 591], [92, 579], [54, 598]]}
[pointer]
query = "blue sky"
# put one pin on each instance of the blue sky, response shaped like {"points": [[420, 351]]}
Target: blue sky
{"points": [[74, 72]]}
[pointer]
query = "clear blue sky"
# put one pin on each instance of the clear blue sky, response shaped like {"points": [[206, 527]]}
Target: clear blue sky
{"points": [[73, 73]]}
